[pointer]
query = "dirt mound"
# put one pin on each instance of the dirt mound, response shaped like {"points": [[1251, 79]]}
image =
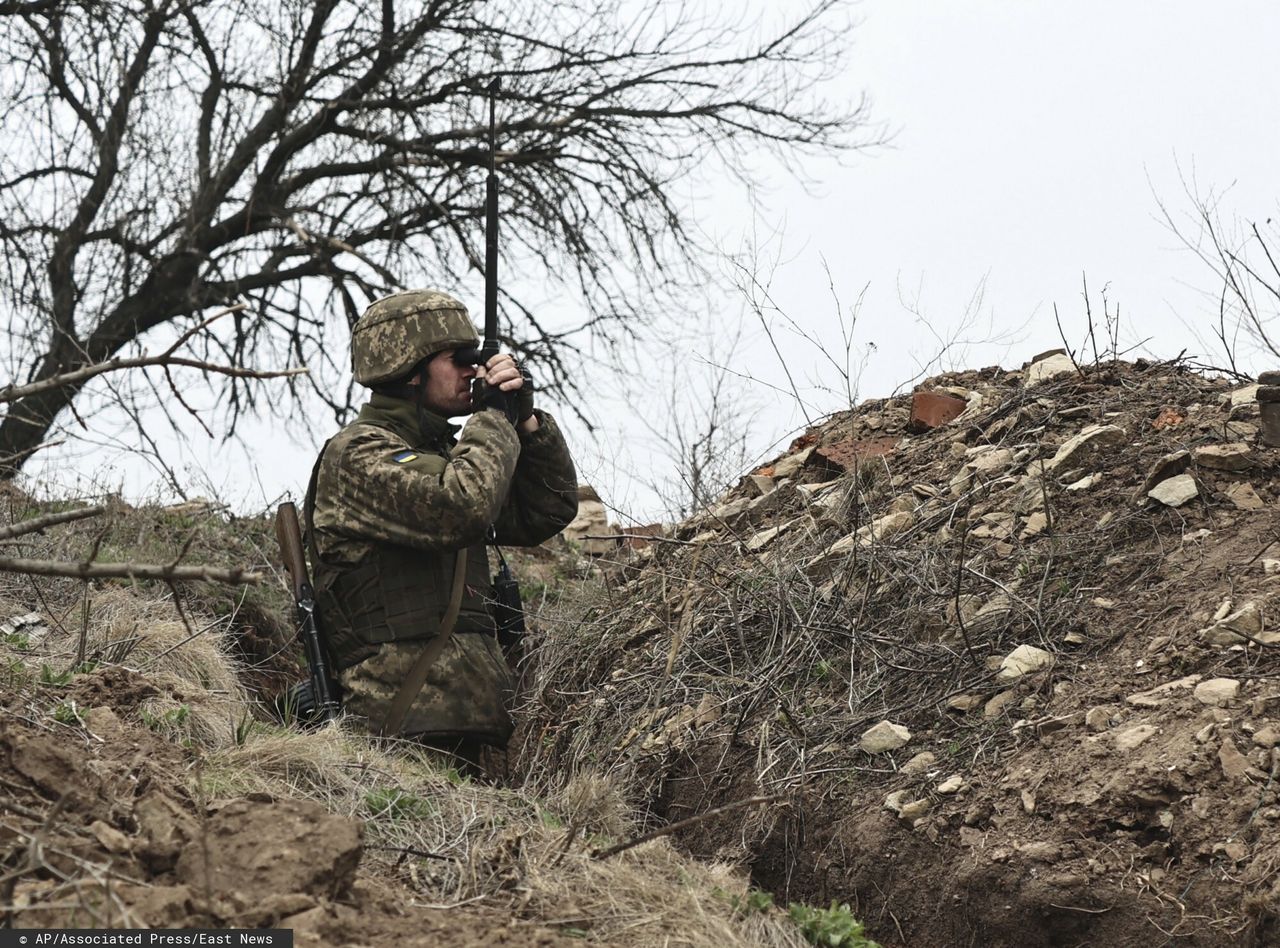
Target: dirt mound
{"points": [[999, 659], [98, 833]]}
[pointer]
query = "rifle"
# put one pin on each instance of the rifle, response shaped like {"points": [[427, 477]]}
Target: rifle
{"points": [[323, 704]]}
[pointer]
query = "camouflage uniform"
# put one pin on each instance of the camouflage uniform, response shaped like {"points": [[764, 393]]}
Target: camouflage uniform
{"points": [[398, 494]]}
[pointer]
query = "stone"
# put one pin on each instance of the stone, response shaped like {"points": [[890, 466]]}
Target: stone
{"points": [[1234, 764], [904, 503], [1040, 851], [1242, 396], [1131, 738], [1217, 692], [1051, 366], [882, 737], [996, 459], [764, 537], [1097, 719], [1268, 736], [895, 800], [1028, 800], [1271, 567], [914, 810], [1159, 695], [953, 784], [921, 763], [792, 463], [112, 839], [1076, 450], [964, 703], [1244, 497], [1089, 480], [1271, 377], [1023, 660], [591, 522], [1245, 622], [885, 527], [1171, 465], [1037, 523], [724, 511], [1240, 430], [760, 483], [1224, 457], [1175, 491], [997, 705], [933, 410]]}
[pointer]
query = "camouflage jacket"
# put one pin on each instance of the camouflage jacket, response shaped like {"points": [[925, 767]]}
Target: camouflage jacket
{"points": [[395, 501], [381, 482]]}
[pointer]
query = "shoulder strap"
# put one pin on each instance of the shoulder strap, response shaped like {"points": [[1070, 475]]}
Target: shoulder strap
{"points": [[417, 676], [309, 507]]}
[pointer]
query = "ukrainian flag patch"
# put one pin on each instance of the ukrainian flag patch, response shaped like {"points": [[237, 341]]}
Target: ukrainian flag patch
{"points": [[404, 457]]}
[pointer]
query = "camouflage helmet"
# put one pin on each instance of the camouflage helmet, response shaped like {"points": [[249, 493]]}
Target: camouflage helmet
{"points": [[399, 331]]}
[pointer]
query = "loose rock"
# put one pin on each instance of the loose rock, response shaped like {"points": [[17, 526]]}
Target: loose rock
{"points": [[1268, 736], [1155, 697], [1077, 449], [1244, 497], [1133, 737], [882, 737], [1217, 692], [1049, 367], [1175, 491], [1097, 719], [914, 810], [1224, 457], [997, 705], [921, 763], [1023, 660]]}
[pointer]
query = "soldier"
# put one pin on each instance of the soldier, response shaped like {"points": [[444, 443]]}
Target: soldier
{"points": [[399, 509]]}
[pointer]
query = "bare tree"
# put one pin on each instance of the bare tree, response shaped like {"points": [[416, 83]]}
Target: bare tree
{"points": [[169, 157], [1244, 256], [704, 428]]}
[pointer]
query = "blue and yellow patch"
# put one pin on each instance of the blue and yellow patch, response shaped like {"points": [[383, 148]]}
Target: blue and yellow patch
{"points": [[404, 457]]}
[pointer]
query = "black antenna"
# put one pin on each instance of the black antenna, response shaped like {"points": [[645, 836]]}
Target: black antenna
{"points": [[491, 233]]}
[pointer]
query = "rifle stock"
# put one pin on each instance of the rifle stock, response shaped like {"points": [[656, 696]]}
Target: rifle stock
{"points": [[289, 536]]}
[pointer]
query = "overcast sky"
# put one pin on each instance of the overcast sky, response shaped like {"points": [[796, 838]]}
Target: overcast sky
{"points": [[1032, 142]]}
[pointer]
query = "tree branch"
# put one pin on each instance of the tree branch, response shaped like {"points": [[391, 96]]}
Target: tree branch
{"points": [[165, 573], [35, 524]]}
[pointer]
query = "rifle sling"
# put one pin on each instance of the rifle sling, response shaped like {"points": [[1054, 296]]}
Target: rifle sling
{"points": [[417, 676]]}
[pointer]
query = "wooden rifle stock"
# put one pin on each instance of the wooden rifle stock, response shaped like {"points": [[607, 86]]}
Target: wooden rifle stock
{"points": [[289, 536]]}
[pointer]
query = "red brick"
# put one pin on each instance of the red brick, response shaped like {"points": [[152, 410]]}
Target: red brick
{"points": [[847, 453], [933, 410]]}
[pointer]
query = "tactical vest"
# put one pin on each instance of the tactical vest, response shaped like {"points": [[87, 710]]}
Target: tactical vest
{"points": [[395, 594]]}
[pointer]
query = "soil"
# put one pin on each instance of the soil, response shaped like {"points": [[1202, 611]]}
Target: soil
{"points": [[1079, 803], [97, 832]]}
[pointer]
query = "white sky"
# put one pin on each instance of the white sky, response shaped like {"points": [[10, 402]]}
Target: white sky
{"points": [[1032, 142]]}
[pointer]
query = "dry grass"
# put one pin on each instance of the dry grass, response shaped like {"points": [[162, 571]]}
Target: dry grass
{"points": [[748, 671], [448, 839]]}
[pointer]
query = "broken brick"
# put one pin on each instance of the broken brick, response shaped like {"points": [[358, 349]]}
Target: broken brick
{"points": [[933, 410]]}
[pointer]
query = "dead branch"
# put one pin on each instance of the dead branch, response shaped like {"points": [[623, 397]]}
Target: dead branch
{"points": [[681, 824], [166, 359], [36, 524], [168, 573]]}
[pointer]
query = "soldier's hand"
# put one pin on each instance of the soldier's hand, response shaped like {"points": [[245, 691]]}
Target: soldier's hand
{"points": [[502, 373]]}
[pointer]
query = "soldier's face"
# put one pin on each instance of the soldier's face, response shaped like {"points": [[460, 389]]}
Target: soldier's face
{"points": [[448, 386]]}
